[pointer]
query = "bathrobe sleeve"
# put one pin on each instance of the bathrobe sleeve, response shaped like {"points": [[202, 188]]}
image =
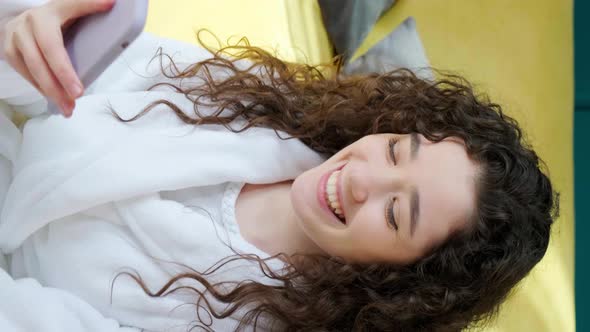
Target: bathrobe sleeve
{"points": [[25, 305], [16, 94]]}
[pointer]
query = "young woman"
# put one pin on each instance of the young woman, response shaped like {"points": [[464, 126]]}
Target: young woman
{"points": [[247, 192]]}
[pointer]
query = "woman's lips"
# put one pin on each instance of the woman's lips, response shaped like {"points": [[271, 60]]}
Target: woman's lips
{"points": [[339, 197], [321, 195]]}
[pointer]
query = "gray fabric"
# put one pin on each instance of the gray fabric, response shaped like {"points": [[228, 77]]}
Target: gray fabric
{"points": [[349, 21], [402, 48]]}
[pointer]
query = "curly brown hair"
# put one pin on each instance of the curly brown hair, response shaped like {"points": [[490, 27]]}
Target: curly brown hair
{"points": [[460, 283]]}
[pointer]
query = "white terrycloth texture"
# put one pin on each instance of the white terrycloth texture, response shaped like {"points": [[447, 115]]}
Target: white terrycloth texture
{"points": [[64, 164], [27, 306]]}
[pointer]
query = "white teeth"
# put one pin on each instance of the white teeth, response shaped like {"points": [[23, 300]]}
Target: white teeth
{"points": [[332, 179], [331, 188], [333, 199], [332, 196]]}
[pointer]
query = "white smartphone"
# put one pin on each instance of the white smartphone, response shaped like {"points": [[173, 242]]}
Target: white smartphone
{"points": [[93, 42]]}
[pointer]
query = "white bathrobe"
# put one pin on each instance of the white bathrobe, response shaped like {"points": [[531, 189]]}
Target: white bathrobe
{"points": [[83, 199]]}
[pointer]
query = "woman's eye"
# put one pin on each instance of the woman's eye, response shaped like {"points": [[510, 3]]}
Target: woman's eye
{"points": [[391, 145], [390, 215]]}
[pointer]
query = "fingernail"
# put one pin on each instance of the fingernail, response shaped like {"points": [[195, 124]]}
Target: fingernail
{"points": [[75, 90], [65, 108]]}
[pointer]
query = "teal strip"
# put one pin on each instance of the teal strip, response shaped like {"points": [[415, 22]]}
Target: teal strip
{"points": [[582, 221], [582, 162], [582, 54]]}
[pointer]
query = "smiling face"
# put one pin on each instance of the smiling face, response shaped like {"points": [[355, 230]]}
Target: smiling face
{"points": [[400, 196]]}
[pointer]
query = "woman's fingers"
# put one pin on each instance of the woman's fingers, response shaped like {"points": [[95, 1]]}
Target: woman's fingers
{"points": [[38, 70], [14, 58], [19, 65], [50, 42], [72, 9], [34, 46]]}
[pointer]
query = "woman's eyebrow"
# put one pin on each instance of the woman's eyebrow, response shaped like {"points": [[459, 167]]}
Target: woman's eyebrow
{"points": [[415, 198], [414, 145], [414, 210]]}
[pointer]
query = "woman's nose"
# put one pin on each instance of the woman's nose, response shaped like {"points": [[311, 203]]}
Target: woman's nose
{"points": [[374, 181], [359, 188]]}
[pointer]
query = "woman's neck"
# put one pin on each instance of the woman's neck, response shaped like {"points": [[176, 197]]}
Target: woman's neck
{"points": [[267, 220]]}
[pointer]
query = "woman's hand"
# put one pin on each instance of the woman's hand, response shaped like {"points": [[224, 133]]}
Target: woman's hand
{"points": [[34, 46]]}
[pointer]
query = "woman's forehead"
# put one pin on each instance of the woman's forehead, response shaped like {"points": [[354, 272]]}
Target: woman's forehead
{"points": [[446, 180]]}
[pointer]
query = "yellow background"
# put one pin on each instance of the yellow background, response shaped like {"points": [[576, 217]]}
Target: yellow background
{"points": [[518, 51]]}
